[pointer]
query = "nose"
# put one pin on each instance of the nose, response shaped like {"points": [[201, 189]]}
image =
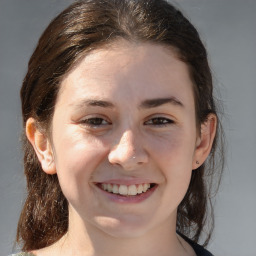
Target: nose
{"points": [[129, 152]]}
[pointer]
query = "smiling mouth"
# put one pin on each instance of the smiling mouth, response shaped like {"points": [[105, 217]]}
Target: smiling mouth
{"points": [[124, 190]]}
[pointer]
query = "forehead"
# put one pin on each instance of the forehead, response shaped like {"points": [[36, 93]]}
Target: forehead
{"points": [[133, 70]]}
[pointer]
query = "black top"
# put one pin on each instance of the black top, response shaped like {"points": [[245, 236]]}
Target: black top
{"points": [[199, 250]]}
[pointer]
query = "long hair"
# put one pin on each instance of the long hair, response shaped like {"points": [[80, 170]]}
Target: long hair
{"points": [[84, 26]]}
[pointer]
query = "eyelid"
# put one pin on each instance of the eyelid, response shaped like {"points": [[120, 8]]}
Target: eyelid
{"points": [[170, 121], [85, 121]]}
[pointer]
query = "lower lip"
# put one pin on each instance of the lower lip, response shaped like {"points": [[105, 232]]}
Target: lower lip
{"points": [[129, 199]]}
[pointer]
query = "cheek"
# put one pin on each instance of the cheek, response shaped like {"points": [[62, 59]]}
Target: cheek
{"points": [[175, 149], [77, 156], [174, 157]]}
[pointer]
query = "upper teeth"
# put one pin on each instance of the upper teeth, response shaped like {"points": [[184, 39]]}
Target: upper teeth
{"points": [[130, 190]]}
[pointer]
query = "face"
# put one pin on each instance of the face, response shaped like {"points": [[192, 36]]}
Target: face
{"points": [[124, 138]]}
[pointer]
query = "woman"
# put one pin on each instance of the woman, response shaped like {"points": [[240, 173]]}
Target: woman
{"points": [[120, 133]]}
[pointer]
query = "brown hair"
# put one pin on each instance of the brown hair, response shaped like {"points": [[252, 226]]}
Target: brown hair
{"points": [[82, 27]]}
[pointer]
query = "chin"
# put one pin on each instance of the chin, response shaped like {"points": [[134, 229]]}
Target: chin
{"points": [[125, 228]]}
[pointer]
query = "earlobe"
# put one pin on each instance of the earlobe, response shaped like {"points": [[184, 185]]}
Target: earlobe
{"points": [[41, 145], [204, 143]]}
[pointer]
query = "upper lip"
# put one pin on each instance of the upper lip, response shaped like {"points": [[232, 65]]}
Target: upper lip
{"points": [[127, 182]]}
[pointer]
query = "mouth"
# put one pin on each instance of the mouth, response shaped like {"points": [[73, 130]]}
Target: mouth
{"points": [[126, 190]]}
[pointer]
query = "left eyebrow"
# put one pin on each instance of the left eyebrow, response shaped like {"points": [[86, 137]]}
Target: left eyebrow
{"points": [[152, 103]]}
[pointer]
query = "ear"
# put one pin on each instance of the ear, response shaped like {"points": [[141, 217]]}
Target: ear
{"points": [[41, 145], [205, 141]]}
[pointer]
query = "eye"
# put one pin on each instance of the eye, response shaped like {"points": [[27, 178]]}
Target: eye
{"points": [[95, 122], [159, 121]]}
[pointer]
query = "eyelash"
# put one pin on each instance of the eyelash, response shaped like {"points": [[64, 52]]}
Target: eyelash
{"points": [[95, 122], [159, 121]]}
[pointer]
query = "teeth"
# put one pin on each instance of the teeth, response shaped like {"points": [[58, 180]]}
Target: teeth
{"points": [[104, 186], [109, 188], [115, 189], [140, 189], [132, 190], [146, 187], [124, 190]]}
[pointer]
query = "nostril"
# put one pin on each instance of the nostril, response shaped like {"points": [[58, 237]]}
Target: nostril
{"points": [[127, 157]]}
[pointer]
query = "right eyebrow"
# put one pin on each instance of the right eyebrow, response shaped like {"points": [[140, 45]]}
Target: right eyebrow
{"points": [[94, 103]]}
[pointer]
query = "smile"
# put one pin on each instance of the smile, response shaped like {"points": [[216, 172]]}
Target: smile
{"points": [[126, 190]]}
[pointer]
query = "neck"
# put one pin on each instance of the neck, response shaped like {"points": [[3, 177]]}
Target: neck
{"points": [[88, 240]]}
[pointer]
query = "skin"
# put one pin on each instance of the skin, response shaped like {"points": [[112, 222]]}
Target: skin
{"points": [[126, 138]]}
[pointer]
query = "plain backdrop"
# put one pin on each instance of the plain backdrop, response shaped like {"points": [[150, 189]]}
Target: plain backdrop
{"points": [[228, 29]]}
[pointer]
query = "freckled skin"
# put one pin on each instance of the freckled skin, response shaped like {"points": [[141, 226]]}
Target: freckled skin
{"points": [[125, 75]]}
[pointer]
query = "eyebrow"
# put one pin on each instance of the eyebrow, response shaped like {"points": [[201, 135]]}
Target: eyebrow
{"points": [[152, 103], [96, 103]]}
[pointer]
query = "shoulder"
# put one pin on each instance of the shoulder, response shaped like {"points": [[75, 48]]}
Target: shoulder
{"points": [[199, 250]]}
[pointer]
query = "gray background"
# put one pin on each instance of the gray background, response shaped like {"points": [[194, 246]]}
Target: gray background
{"points": [[228, 28]]}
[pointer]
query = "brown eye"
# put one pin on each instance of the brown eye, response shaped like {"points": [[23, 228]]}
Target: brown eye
{"points": [[95, 122], [159, 121]]}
